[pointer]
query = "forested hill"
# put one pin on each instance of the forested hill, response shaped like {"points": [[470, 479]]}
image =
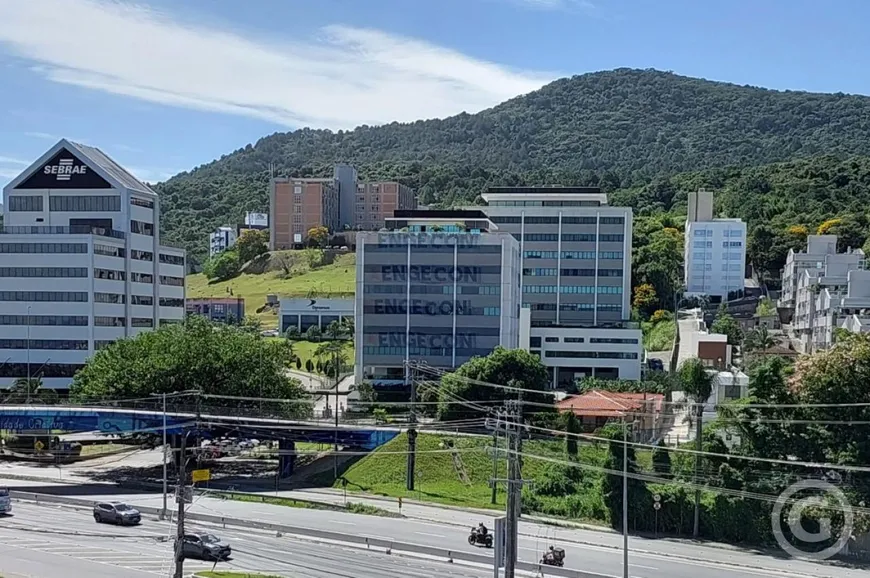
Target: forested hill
{"points": [[619, 129]]}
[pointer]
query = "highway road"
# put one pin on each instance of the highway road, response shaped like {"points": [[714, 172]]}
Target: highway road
{"points": [[41, 541], [649, 559]]}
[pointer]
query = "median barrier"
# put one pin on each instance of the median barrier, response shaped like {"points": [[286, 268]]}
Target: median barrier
{"points": [[388, 545]]}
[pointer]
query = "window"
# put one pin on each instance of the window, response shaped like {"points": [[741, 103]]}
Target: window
{"points": [[612, 220], [40, 369], [109, 274], [578, 254], [45, 296], [506, 220], [592, 354], [578, 220], [141, 255], [171, 259], [85, 203], [142, 202], [534, 341], [142, 322], [65, 320], [574, 340], [610, 273], [297, 189], [141, 277], [610, 255], [609, 307], [611, 238], [540, 220], [539, 289], [171, 302], [110, 321], [108, 250], [735, 243], [540, 254], [77, 345], [703, 244], [578, 238], [170, 280], [612, 340], [27, 203], [109, 298], [551, 339], [492, 311], [541, 237], [101, 344], [43, 248], [43, 272], [539, 272], [578, 272], [141, 300], [141, 228]]}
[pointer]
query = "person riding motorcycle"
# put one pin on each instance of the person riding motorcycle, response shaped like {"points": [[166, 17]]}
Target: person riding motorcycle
{"points": [[481, 529]]}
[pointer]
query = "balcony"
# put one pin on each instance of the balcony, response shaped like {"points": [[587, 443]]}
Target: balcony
{"points": [[71, 230]]}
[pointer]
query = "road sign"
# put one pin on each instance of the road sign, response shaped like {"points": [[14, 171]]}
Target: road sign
{"points": [[200, 476], [39, 446], [657, 505], [657, 498]]}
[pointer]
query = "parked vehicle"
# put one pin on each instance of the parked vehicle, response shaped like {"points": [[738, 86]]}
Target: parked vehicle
{"points": [[205, 547], [116, 513], [5, 501]]}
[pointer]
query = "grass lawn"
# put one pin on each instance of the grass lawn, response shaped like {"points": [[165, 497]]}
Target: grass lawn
{"points": [[437, 477], [335, 280], [659, 336], [305, 350], [91, 450]]}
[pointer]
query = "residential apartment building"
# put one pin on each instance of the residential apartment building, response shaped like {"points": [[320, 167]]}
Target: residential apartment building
{"points": [[835, 295], [440, 287], [818, 247], [338, 203], [220, 240], [715, 250], [576, 279], [81, 264]]}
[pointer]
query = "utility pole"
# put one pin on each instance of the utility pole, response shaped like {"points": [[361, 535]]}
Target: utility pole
{"points": [[515, 486], [28, 355], [179, 498], [494, 497], [624, 498], [699, 413], [165, 452], [412, 431]]}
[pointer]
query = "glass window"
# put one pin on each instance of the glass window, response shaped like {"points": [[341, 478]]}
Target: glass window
{"points": [[141, 202], [43, 272], [108, 298], [612, 220], [141, 300], [30, 203], [142, 322], [109, 274], [577, 238], [43, 248], [141, 255], [110, 321], [170, 280], [77, 345], [611, 238], [141, 228], [65, 320], [45, 296], [141, 278], [84, 203], [171, 302], [108, 250], [171, 259]]}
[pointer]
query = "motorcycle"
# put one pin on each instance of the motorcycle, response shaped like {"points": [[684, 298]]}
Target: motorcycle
{"points": [[555, 557], [476, 538]]}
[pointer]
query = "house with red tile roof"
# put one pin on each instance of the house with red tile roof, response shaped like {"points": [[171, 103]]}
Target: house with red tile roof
{"points": [[596, 408]]}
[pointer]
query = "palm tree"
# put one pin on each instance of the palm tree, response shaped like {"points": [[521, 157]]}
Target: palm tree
{"points": [[30, 390], [335, 330], [759, 339]]}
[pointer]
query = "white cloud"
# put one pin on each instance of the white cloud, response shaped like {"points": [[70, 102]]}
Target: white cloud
{"points": [[42, 135], [151, 175], [347, 76], [11, 167]]}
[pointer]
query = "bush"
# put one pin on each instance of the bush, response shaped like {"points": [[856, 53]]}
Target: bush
{"points": [[661, 315], [222, 266], [313, 334]]}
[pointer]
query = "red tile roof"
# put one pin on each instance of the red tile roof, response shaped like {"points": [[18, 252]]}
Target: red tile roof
{"points": [[597, 403]]}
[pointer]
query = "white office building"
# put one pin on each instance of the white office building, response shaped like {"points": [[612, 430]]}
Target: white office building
{"points": [[576, 279], [835, 295], [715, 250], [796, 262], [81, 264], [221, 240]]}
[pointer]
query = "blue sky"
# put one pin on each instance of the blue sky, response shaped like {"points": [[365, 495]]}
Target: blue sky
{"points": [[165, 85]]}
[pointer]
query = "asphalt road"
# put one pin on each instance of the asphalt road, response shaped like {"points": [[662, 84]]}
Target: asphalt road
{"points": [[648, 559], [49, 541]]}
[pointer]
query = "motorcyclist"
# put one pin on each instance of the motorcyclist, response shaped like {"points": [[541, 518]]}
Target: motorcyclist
{"points": [[481, 529]]}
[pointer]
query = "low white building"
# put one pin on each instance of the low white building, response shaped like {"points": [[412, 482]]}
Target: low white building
{"points": [[81, 264], [715, 250], [221, 240], [826, 296], [303, 313]]}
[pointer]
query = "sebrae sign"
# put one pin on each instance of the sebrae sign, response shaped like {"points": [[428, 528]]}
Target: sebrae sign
{"points": [[64, 171]]}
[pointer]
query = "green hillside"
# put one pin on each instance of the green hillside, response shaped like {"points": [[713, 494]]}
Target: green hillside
{"points": [[337, 279], [619, 129]]}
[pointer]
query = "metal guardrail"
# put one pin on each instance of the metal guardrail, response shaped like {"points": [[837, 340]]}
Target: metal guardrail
{"points": [[388, 545]]}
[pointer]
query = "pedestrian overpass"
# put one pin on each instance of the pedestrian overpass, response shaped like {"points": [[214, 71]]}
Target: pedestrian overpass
{"points": [[50, 420]]}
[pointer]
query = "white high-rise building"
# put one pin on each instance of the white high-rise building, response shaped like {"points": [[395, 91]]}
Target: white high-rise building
{"points": [[715, 250], [221, 240], [81, 264]]}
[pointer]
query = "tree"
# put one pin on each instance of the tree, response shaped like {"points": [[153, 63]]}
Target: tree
{"points": [[292, 333], [638, 497], [334, 358], [516, 368], [572, 428], [336, 330], [313, 333], [696, 382], [309, 366], [223, 266], [318, 236], [298, 363], [759, 339], [29, 391], [644, 297], [252, 243], [725, 324], [765, 307], [195, 355], [826, 226], [661, 460]]}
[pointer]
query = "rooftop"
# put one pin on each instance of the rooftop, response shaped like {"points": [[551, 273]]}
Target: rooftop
{"points": [[598, 403], [544, 189]]}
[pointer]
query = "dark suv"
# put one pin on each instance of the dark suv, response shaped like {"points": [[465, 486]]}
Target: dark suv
{"points": [[205, 547], [116, 513]]}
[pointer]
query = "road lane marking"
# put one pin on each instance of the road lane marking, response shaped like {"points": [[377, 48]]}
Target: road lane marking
{"points": [[432, 535], [639, 566], [343, 522]]}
